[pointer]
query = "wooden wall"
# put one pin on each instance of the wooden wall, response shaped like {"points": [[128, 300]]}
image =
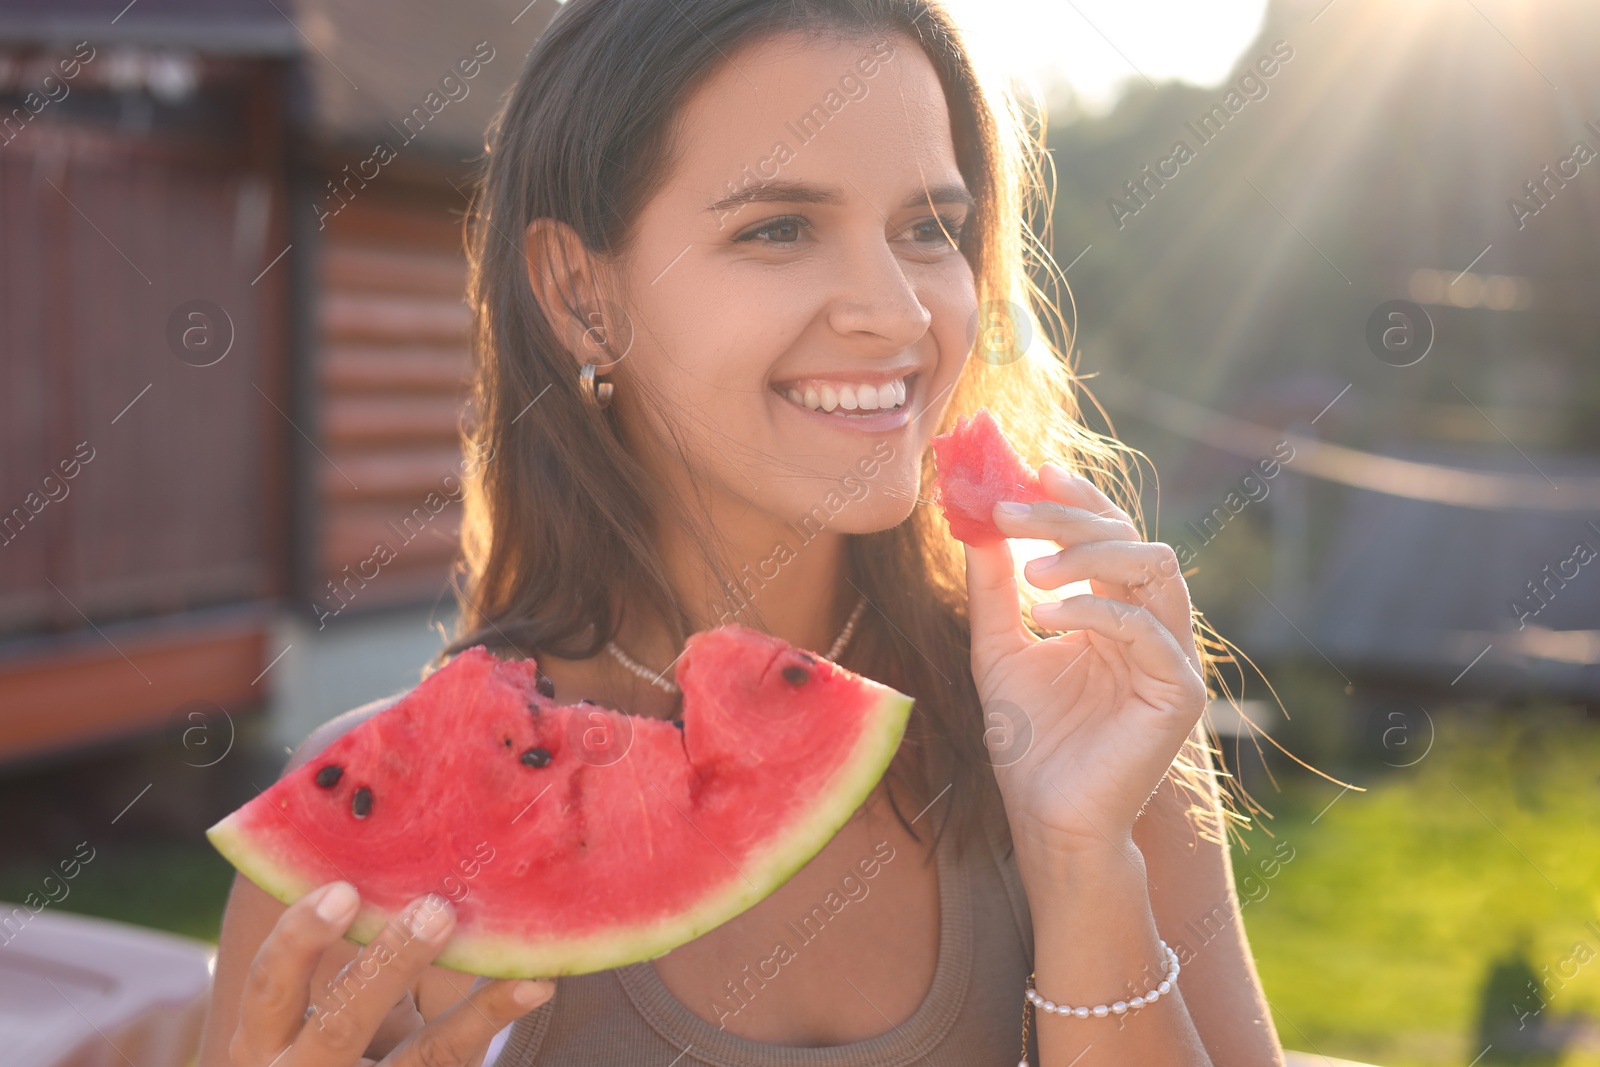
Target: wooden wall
{"points": [[152, 582], [391, 374], [176, 504]]}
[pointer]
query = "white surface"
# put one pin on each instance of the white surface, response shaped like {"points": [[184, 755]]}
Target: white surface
{"points": [[64, 976]]}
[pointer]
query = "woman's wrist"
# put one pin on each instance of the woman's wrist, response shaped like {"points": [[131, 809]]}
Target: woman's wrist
{"points": [[1052, 858], [1093, 926], [1058, 881]]}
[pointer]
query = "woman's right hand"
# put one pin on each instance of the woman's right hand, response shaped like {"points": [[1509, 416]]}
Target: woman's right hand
{"points": [[277, 1029]]}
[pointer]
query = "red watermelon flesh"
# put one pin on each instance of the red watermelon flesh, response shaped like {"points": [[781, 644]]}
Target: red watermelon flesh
{"points": [[577, 838], [977, 469]]}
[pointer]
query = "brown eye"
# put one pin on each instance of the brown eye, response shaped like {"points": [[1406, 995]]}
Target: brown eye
{"points": [[943, 230], [791, 227]]}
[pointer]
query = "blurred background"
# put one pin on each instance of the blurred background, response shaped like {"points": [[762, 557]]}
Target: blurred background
{"points": [[1333, 267]]}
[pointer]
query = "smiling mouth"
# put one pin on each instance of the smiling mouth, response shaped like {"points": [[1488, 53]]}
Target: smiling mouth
{"points": [[846, 398]]}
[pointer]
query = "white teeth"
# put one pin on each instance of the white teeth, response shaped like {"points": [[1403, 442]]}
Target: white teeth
{"points": [[849, 396]]}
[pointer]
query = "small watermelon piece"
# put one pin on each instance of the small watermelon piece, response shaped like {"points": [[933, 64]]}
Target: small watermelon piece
{"points": [[977, 469], [576, 838]]}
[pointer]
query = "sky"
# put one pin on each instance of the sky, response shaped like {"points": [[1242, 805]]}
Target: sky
{"points": [[1095, 45]]}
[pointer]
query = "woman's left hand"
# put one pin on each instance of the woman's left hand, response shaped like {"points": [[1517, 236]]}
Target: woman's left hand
{"points": [[1090, 719]]}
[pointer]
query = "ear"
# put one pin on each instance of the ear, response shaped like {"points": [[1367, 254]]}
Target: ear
{"points": [[563, 276]]}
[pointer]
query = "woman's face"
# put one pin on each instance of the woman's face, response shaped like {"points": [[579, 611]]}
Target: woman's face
{"points": [[795, 292]]}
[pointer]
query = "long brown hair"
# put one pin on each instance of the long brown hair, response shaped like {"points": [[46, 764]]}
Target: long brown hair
{"points": [[585, 137]]}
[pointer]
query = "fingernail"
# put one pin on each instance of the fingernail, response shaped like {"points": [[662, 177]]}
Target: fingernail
{"points": [[525, 994], [1013, 509], [337, 901], [429, 917]]}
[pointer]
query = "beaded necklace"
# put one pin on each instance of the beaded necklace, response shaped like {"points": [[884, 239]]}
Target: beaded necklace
{"points": [[667, 685]]}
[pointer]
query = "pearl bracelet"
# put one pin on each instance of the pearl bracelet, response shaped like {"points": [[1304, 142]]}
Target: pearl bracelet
{"points": [[1121, 1007]]}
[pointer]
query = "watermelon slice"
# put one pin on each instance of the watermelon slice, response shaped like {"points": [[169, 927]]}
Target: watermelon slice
{"points": [[576, 838], [977, 469]]}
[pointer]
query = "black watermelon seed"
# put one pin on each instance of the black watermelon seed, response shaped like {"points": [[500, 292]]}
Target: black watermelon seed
{"points": [[796, 675], [545, 686], [361, 803], [678, 723], [536, 757], [808, 657], [586, 700], [329, 776]]}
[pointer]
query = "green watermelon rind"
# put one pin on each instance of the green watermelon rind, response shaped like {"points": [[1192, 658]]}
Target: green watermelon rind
{"points": [[229, 838], [759, 875]]}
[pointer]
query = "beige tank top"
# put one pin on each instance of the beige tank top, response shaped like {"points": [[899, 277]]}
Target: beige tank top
{"points": [[971, 1016]]}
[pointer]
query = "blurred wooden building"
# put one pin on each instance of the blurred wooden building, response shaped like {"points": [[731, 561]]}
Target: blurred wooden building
{"points": [[233, 341]]}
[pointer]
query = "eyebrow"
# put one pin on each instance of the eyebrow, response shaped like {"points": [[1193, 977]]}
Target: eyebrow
{"points": [[781, 191]]}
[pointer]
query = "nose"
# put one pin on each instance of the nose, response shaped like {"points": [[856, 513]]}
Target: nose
{"points": [[873, 295]]}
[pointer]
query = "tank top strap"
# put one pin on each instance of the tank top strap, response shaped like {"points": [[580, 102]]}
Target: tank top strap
{"points": [[998, 837]]}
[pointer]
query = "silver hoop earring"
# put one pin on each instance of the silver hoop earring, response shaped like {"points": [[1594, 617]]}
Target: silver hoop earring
{"points": [[592, 387]]}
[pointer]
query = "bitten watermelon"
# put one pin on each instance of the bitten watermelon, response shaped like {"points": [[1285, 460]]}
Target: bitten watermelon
{"points": [[977, 469], [575, 838]]}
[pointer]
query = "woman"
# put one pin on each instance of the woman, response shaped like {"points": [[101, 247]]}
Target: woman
{"points": [[775, 228]]}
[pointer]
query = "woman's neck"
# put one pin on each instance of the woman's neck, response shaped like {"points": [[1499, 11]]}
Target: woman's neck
{"points": [[780, 580], [795, 591]]}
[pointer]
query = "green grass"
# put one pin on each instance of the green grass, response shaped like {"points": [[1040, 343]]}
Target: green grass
{"points": [[1375, 941], [177, 886]]}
